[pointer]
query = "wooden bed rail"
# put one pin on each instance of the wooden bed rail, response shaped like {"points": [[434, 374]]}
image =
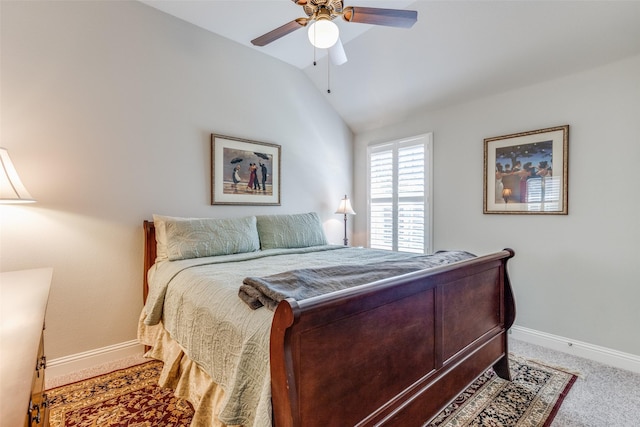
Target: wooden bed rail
{"points": [[394, 352]]}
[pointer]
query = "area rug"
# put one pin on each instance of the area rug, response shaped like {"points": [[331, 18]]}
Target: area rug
{"points": [[131, 397], [126, 397], [531, 399]]}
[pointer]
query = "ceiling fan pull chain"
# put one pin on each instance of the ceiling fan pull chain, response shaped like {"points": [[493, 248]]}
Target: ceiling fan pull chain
{"points": [[328, 75], [314, 49]]}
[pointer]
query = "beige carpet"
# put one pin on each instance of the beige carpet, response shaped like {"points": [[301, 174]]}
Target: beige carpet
{"points": [[131, 396]]}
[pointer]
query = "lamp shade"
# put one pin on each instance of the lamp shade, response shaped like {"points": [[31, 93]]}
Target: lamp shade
{"points": [[323, 33], [11, 188], [345, 207]]}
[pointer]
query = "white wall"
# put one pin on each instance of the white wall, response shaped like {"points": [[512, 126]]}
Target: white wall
{"points": [[574, 276], [107, 111]]}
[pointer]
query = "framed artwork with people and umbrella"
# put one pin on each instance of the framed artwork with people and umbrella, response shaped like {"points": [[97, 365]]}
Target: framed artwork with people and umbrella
{"points": [[244, 172]]}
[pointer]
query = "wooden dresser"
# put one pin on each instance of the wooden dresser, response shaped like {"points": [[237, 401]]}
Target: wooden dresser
{"points": [[23, 302]]}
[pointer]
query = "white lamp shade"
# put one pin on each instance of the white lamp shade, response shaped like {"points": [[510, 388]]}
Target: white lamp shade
{"points": [[323, 33], [11, 188], [345, 207]]}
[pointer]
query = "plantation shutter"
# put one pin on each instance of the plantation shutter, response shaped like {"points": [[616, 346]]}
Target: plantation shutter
{"points": [[381, 205], [399, 187]]}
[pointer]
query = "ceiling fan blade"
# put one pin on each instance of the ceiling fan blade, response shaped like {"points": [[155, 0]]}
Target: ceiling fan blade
{"points": [[337, 54], [376, 16], [282, 31]]}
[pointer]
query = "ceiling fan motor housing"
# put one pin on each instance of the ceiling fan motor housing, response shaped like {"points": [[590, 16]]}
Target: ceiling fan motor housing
{"points": [[314, 9]]}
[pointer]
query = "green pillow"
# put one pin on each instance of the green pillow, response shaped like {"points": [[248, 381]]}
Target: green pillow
{"points": [[202, 237], [290, 231]]}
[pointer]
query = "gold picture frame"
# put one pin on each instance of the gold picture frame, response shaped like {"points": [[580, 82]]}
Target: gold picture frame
{"points": [[244, 172], [527, 172]]}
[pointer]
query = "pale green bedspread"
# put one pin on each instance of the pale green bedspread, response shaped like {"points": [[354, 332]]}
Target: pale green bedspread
{"points": [[198, 303]]}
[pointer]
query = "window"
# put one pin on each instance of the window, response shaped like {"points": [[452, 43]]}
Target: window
{"points": [[399, 176], [543, 193]]}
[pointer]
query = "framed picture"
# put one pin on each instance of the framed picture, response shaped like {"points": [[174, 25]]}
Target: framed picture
{"points": [[244, 172], [527, 173]]}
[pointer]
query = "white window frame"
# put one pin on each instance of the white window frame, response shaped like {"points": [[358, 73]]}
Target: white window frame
{"points": [[427, 139]]}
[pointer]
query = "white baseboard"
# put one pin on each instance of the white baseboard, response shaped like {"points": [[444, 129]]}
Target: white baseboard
{"points": [[90, 359], [597, 353]]}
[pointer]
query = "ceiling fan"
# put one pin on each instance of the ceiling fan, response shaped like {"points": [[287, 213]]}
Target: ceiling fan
{"points": [[323, 33]]}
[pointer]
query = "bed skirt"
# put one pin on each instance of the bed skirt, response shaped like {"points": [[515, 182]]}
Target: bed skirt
{"points": [[182, 375]]}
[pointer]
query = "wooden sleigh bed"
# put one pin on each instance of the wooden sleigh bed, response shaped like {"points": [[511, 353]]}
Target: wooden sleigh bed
{"points": [[391, 353]]}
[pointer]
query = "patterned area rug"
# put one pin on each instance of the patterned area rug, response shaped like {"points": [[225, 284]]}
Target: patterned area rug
{"points": [[126, 397], [131, 397], [531, 399]]}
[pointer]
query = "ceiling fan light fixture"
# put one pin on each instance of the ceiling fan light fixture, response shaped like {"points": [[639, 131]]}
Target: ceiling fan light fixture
{"points": [[323, 33]]}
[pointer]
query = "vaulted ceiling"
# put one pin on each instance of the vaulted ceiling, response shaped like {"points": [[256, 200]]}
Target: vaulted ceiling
{"points": [[457, 51]]}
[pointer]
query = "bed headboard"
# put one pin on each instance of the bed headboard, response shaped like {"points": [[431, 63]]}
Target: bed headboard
{"points": [[149, 254]]}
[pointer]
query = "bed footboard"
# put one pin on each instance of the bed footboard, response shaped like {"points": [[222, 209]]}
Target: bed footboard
{"points": [[394, 352]]}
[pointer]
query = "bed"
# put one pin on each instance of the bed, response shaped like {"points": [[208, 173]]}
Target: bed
{"points": [[390, 351]]}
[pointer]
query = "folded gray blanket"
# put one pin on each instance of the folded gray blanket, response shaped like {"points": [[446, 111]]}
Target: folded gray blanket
{"points": [[309, 282]]}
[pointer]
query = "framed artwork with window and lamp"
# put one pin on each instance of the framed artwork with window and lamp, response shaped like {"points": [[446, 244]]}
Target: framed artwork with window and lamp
{"points": [[527, 172]]}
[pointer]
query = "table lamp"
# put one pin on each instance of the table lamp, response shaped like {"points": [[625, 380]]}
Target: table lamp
{"points": [[11, 188], [346, 209]]}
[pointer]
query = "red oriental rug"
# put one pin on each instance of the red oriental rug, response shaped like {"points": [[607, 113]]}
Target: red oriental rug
{"points": [[126, 397], [131, 397]]}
